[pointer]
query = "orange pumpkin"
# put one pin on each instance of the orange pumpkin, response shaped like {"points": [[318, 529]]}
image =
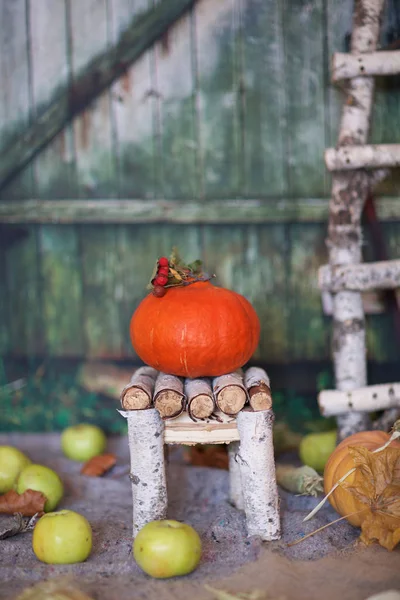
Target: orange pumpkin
{"points": [[195, 331], [340, 462]]}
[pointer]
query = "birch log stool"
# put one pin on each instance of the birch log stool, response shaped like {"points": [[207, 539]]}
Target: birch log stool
{"points": [[249, 433]]}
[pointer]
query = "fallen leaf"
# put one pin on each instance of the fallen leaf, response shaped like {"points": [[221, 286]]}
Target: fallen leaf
{"points": [[377, 485], [98, 465], [19, 525], [27, 504]]}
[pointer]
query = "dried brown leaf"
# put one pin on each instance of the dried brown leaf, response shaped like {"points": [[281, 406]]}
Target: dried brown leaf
{"points": [[377, 485], [208, 456], [98, 465], [27, 504]]}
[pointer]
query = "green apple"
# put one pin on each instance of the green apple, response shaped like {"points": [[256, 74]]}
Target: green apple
{"points": [[167, 549], [316, 448], [82, 442], [12, 461], [42, 479], [61, 538]]}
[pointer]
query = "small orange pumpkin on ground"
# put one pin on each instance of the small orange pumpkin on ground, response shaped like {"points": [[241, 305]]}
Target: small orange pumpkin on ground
{"points": [[195, 330], [340, 462]]}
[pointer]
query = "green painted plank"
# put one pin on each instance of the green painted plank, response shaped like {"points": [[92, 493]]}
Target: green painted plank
{"points": [[24, 297], [14, 87], [133, 103], [252, 261], [100, 266], [338, 27], [309, 330], [138, 248], [303, 23], [381, 333], [54, 167], [54, 177], [62, 291], [264, 98], [218, 97], [4, 320], [97, 75], [175, 211], [175, 81], [386, 107], [94, 151]]}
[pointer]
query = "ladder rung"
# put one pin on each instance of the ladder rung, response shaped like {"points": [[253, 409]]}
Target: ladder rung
{"points": [[361, 277], [347, 66], [373, 156], [366, 399]]}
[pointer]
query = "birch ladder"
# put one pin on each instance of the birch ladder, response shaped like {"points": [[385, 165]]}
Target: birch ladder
{"points": [[356, 167]]}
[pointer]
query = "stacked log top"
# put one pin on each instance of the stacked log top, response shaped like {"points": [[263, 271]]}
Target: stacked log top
{"points": [[202, 398]]}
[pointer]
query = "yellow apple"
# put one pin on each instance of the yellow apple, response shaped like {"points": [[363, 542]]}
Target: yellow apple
{"points": [[42, 479], [83, 442], [316, 448], [63, 537], [167, 549], [12, 461]]}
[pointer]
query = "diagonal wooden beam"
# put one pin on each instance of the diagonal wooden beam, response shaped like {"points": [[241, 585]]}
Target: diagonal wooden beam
{"points": [[97, 76]]}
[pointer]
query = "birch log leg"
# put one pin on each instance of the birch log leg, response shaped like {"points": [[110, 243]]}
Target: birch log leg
{"points": [[257, 467], [235, 478], [349, 192], [146, 447]]}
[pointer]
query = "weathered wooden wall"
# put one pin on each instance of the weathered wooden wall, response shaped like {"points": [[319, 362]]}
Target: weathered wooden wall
{"points": [[234, 103]]}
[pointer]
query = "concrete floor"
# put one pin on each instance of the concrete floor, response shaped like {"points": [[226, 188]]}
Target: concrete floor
{"points": [[197, 496]]}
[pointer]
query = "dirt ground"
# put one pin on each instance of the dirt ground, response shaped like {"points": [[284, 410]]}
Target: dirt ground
{"points": [[330, 564]]}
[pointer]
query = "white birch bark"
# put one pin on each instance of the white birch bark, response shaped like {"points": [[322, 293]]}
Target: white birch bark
{"points": [[235, 478], [381, 275], [373, 156], [146, 447], [349, 192], [347, 66], [257, 467], [368, 399]]}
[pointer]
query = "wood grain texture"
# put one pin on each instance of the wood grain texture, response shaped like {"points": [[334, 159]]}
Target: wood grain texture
{"points": [[175, 88], [94, 152], [134, 211], [61, 291], [308, 329], [133, 99], [100, 274], [217, 27], [263, 88], [95, 78], [386, 108], [303, 23]]}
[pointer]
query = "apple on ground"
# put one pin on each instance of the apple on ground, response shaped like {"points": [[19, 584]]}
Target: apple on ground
{"points": [[62, 537], [12, 461], [41, 479], [83, 442], [316, 448], [167, 548]]}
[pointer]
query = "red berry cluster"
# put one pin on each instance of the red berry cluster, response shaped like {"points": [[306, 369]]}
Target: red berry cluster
{"points": [[161, 278]]}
